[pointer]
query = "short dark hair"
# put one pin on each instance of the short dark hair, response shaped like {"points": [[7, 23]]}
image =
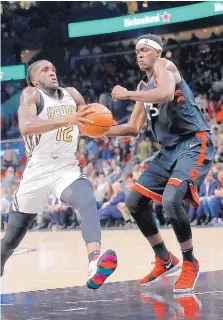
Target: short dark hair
{"points": [[152, 37], [29, 71]]}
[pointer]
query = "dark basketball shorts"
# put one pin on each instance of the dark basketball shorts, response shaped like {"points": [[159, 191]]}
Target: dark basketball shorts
{"points": [[190, 161]]}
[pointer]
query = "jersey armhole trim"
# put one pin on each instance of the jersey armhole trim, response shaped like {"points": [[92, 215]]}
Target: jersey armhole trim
{"points": [[40, 105]]}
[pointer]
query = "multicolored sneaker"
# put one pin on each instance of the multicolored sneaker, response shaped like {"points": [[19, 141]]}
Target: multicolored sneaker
{"points": [[192, 307], [101, 268], [188, 277], [161, 269]]}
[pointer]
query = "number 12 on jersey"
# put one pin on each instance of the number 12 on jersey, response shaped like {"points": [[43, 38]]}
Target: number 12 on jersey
{"points": [[63, 134]]}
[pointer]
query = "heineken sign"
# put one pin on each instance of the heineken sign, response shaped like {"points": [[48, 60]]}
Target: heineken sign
{"points": [[129, 22], [146, 19]]}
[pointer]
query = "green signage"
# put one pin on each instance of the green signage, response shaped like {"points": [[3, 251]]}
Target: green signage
{"points": [[145, 20], [16, 72]]}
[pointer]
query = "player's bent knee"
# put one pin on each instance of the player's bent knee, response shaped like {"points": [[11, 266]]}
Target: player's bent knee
{"points": [[173, 205], [21, 218], [136, 202], [173, 197], [18, 225], [132, 201], [170, 207]]}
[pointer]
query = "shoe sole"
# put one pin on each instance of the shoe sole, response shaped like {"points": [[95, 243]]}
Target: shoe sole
{"points": [[187, 290], [174, 269], [102, 273]]}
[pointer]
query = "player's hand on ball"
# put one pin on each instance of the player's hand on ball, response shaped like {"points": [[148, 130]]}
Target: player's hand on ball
{"points": [[79, 118], [119, 92]]}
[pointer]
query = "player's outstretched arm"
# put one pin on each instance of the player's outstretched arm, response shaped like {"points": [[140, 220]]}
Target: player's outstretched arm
{"points": [[164, 71], [29, 123], [135, 124]]}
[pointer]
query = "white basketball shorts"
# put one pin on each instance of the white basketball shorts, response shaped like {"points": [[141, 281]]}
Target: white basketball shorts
{"points": [[42, 177]]}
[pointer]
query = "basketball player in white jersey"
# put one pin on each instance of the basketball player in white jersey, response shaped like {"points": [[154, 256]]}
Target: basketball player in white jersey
{"points": [[49, 121]]}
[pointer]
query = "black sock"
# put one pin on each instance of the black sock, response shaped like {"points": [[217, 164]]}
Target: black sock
{"points": [[188, 255], [161, 251], [93, 255]]}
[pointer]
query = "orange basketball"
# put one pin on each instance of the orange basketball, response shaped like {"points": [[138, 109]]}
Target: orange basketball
{"points": [[102, 122]]}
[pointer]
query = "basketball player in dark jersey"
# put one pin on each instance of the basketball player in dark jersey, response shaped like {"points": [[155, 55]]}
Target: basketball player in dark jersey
{"points": [[166, 101]]}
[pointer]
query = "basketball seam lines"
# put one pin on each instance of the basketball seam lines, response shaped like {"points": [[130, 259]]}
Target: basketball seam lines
{"points": [[92, 115]]}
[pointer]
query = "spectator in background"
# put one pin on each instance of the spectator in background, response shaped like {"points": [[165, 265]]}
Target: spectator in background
{"points": [[207, 190], [67, 218], [110, 208], [105, 97], [215, 134], [116, 171], [106, 168], [9, 181], [88, 169], [118, 154], [13, 132], [96, 49], [85, 51], [105, 152], [219, 111], [51, 215], [5, 204], [144, 149], [82, 146], [219, 154], [221, 132], [108, 193], [22, 162], [202, 103], [92, 149], [100, 189], [217, 85], [18, 175], [215, 204], [136, 172], [216, 168], [9, 158], [95, 78], [82, 160], [128, 184]]}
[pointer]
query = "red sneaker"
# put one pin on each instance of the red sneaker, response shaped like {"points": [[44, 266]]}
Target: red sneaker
{"points": [[161, 269], [188, 277]]}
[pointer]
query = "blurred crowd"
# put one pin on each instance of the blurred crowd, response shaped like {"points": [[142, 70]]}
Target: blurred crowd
{"points": [[33, 24]]}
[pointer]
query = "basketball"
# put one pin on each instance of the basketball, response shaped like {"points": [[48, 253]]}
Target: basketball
{"points": [[102, 122]]}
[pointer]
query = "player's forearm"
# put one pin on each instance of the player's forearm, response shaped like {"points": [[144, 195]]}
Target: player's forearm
{"points": [[157, 95], [123, 130], [38, 126]]}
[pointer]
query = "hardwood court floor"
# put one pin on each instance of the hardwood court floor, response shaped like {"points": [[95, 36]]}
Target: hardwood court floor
{"points": [[60, 259]]}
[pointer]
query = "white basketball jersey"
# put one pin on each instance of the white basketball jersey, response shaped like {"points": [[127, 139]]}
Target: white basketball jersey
{"points": [[59, 142]]}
